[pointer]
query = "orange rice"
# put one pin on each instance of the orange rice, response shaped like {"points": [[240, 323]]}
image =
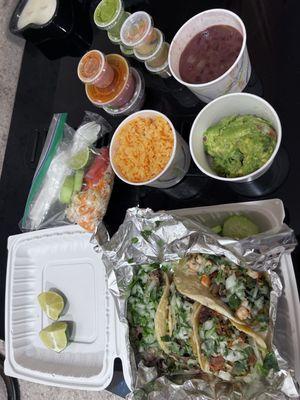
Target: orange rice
{"points": [[143, 148]]}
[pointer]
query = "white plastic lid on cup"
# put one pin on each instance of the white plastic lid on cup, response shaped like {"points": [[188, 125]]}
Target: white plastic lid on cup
{"points": [[235, 78], [136, 28], [137, 101], [178, 164], [150, 55], [225, 106], [111, 23]]}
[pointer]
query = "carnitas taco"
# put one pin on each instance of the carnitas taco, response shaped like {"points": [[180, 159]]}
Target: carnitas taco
{"points": [[241, 294], [146, 292], [174, 328], [226, 349]]}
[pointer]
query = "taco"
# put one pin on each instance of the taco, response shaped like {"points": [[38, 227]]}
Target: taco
{"points": [[174, 328], [146, 292], [224, 348], [241, 294]]}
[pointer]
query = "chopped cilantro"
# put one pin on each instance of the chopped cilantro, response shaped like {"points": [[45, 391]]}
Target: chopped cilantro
{"points": [[234, 302], [134, 240], [146, 233]]}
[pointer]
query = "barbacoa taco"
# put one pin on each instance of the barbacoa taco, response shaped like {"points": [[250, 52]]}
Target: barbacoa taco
{"points": [[224, 348], [174, 328], [241, 294], [146, 292]]}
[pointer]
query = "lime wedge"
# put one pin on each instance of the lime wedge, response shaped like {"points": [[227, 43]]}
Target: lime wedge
{"points": [[54, 337], [80, 159], [52, 304], [66, 190], [78, 180]]}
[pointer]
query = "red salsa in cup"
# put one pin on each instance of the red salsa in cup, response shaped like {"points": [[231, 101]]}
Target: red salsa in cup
{"points": [[210, 54]]}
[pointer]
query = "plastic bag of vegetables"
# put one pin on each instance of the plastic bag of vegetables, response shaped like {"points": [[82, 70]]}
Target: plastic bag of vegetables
{"points": [[73, 181]]}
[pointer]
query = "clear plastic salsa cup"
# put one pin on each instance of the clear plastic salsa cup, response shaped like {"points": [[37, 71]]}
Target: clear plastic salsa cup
{"points": [[159, 58], [157, 39], [114, 32], [120, 91], [108, 14], [94, 69], [163, 71], [137, 100], [138, 32]]}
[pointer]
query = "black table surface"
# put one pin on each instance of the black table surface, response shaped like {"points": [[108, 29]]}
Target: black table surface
{"points": [[46, 87]]}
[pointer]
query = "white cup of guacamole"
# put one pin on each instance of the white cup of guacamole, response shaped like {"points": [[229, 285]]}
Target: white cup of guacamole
{"points": [[235, 138]]}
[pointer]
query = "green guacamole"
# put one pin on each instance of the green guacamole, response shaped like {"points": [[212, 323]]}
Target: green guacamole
{"points": [[239, 145]]}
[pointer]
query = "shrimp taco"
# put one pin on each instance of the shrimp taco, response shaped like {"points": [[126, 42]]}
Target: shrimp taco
{"points": [[241, 294]]}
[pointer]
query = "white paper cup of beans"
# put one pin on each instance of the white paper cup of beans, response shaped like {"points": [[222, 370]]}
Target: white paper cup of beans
{"points": [[231, 105], [235, 78], [176, 166]]}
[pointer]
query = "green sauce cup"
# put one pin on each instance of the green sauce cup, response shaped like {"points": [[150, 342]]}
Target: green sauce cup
{"points": [[108, 14]]}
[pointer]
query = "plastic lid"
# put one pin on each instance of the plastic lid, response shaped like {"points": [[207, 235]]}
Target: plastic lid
{"points": [[107, 13], [136, 28], [137, 99], [155, 50], [90, 66]]}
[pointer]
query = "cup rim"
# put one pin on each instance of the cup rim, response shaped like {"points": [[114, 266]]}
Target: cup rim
{"points": [[256, 172], [138, 42], [94, 78], [111, 22], [124, 85], [206, 84], [124, 122]]}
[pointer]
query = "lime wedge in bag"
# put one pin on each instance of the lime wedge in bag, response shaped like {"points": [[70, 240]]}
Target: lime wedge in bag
{"points": [[80, 159]]}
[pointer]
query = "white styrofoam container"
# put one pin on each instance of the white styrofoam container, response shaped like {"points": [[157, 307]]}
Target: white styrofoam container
{"points": [[61, 258], [64, 258]]}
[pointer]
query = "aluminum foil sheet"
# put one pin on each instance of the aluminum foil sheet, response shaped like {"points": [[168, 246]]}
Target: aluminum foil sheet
{"points": [[146, 237]]}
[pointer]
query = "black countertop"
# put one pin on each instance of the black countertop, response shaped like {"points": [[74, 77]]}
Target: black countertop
{"points": [[46, 87]]}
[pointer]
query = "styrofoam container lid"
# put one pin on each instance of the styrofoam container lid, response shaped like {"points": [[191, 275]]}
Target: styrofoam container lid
{"points": [[61, 258]]}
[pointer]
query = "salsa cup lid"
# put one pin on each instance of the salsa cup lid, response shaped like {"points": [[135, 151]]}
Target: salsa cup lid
{"points": [[136, 27]]}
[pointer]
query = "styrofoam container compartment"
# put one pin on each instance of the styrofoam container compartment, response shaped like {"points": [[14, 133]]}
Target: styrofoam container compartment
{"points": [[61, 258], [267, 214]]}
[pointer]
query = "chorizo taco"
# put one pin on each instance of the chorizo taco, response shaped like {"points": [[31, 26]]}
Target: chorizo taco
{"points": [[224, 348], [241, 294], [174, 328]]}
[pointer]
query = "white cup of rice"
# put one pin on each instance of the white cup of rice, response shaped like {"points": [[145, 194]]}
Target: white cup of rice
{"points": [[146, 150]]}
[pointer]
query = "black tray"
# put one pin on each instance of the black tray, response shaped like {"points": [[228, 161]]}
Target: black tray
{"points": [[47, 86]]}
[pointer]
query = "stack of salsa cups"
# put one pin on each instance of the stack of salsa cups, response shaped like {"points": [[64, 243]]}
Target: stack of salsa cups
{"points": [[137, 32], [110, 83], [110, 15]]}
